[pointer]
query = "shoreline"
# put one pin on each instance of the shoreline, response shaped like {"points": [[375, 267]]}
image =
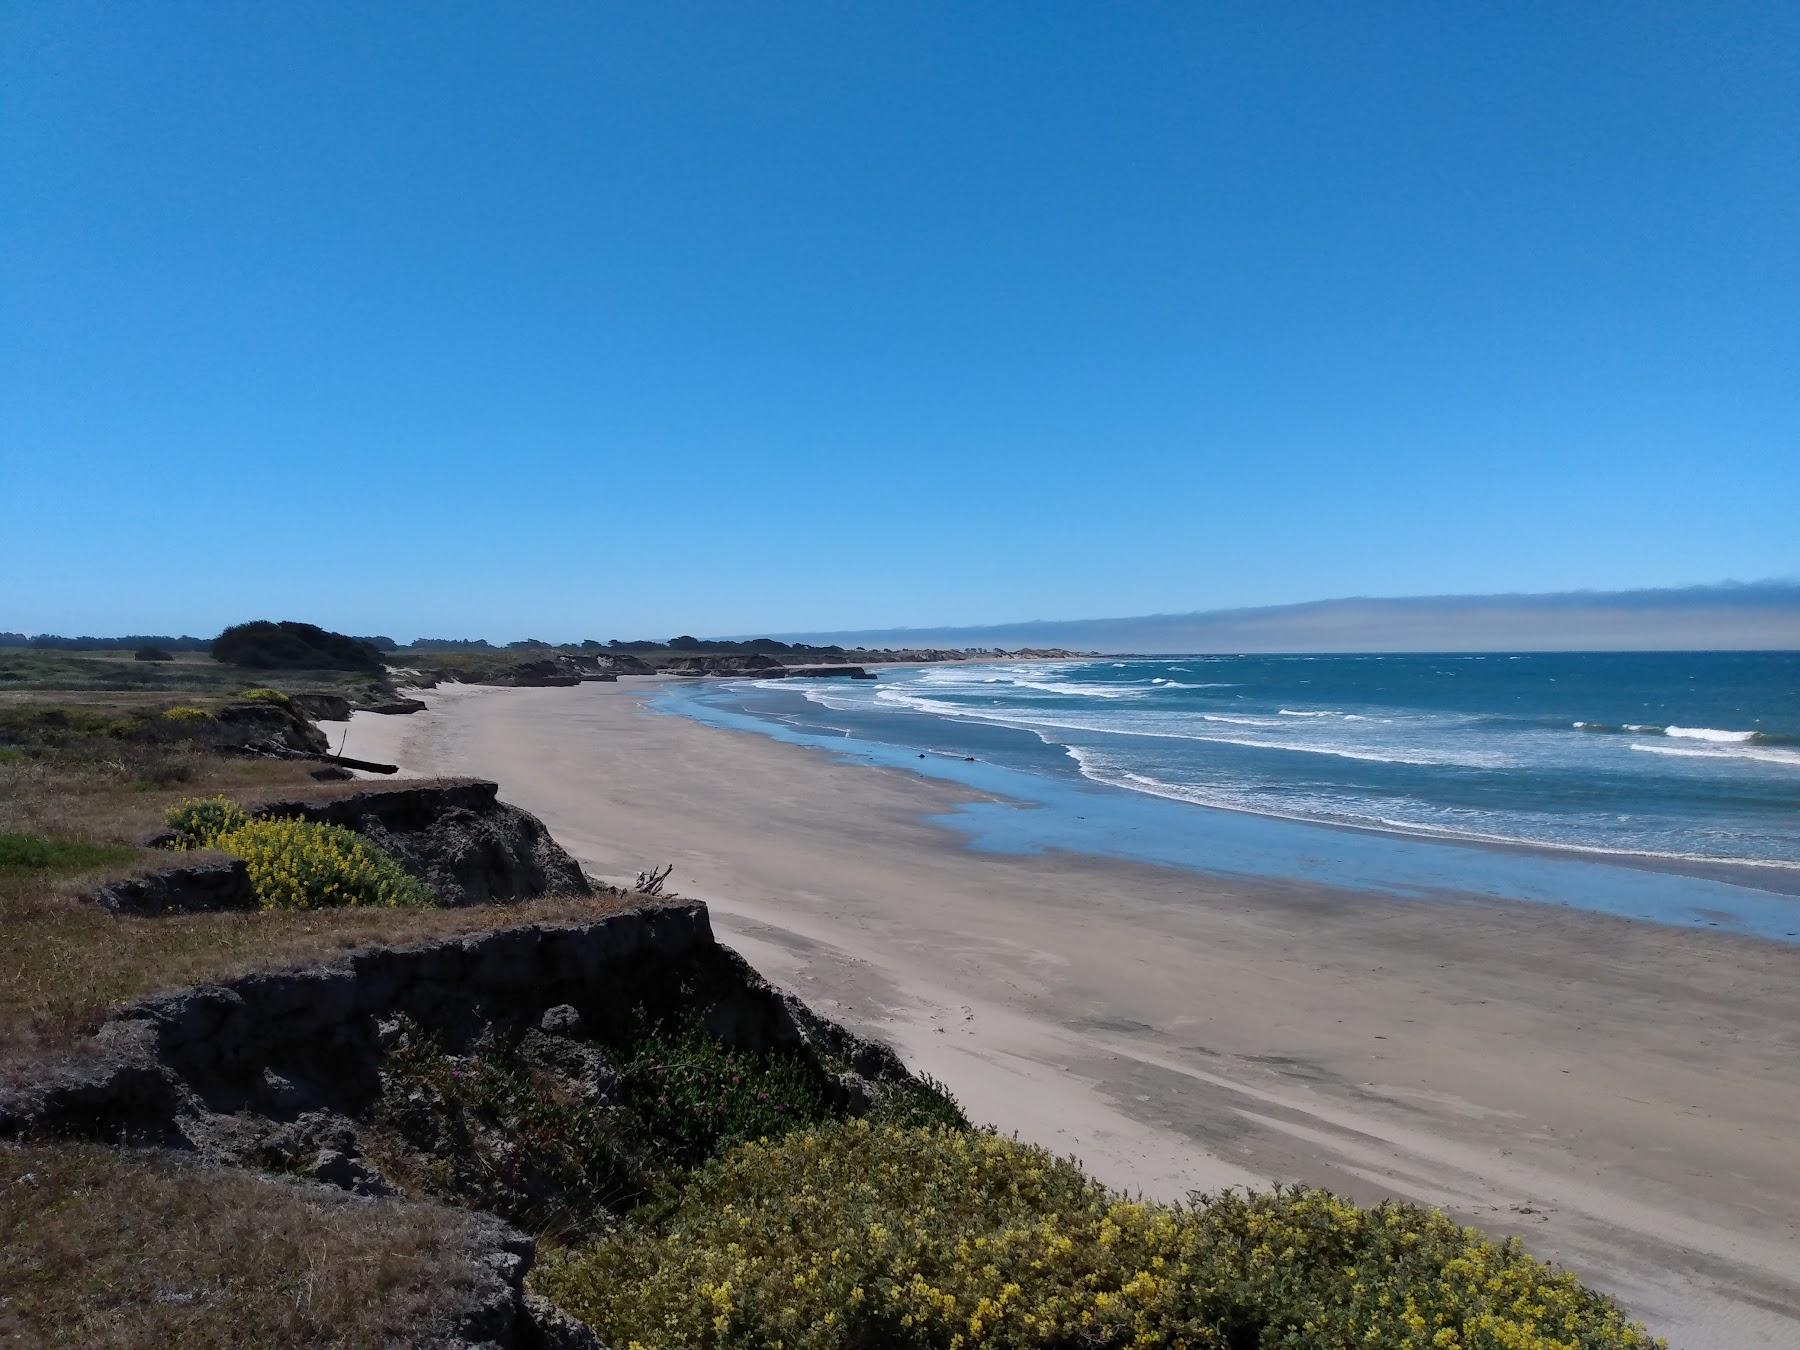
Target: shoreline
{"points": [[1776, 878], [1619, 1094], [1024, 811]]}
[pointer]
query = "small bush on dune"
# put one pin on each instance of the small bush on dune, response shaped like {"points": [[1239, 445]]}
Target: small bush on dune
{"points": [[298, 864], [918, 1104], [182, 712], [859, 1235], [259, 694], [199, 820]]}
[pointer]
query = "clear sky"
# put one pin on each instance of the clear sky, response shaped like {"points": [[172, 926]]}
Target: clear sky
{"points": [[623, 320]]}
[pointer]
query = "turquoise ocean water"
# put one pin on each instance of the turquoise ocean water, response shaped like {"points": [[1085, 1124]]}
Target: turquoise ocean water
{"points": [[1667, 784]]}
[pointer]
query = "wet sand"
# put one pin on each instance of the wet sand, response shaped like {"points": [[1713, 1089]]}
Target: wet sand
{"points": [[1623, 1096]]}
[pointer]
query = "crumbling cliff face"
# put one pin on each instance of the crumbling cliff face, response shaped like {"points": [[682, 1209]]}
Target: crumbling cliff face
{"points": [[303, 1072], [457, 836]]}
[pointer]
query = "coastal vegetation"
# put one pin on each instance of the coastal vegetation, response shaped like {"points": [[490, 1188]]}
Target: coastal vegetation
{"points": [[862, 1234], [561, 1136], [298, 864]]}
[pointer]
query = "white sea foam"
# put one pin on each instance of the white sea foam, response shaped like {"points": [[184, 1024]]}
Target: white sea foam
{"points": [[1344, 716], [1097, 770], [1762, 754], [1707, 734], [1024, 677], [1077, 690], [1367, 754], [1178, 727]]}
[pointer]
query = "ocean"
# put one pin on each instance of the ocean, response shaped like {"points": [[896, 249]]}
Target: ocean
{"points": [[1685, 764]]}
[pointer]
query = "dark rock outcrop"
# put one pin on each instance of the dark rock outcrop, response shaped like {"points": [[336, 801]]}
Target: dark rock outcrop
{"points": [[322, 707], [399, 707], [268, 728], [458, 838], [549, 673], [191, 888], [756, 664], [624, 663], [830, 672]]}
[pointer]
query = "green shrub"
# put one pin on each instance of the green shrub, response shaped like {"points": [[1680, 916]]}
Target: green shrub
{"points": [[182, 712], [696, 1095], [200, 820], [298, 864], [858, 1235], [559, 1149], [260, 694], [917, 1104]]}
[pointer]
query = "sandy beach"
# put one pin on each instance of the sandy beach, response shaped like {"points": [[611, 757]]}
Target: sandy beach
{"points": [[1624, 1097]]}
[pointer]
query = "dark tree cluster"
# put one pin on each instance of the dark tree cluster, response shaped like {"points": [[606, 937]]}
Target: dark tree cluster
{"points": [[131, 641], [263, 645]]}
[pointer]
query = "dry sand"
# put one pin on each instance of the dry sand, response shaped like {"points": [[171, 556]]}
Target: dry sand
{"points": [[1625, 1097]]}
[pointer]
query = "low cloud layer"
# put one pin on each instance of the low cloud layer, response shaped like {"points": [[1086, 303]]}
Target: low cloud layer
{"points": [[1756, 616]]}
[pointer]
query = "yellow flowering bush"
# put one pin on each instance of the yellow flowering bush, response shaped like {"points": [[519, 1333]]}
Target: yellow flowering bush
{"points": [[298, 864], [199, 820], [259, 694], [855, 1235], [183, 712]]}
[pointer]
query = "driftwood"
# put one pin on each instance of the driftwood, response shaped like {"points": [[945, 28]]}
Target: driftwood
{"points": [[651, 882], [366, 765]]}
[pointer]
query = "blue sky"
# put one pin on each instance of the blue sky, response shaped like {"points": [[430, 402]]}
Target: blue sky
{"points": [[627, 320]]}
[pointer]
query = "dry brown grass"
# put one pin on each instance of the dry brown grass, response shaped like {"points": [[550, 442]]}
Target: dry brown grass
{"points": [[110, 801], [64, 962], [104, 1248]]}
